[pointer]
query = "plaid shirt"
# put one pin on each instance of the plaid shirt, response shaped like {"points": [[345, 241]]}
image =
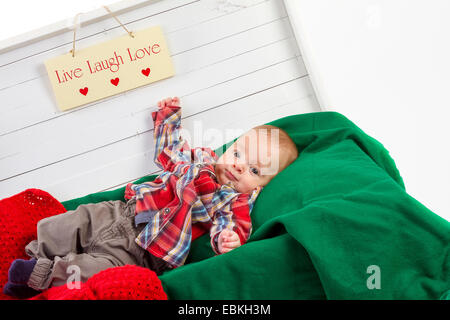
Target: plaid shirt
{"points": [[186, 193]]}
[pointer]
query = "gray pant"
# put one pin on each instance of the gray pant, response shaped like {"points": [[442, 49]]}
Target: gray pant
{"points": [[91, 238]]}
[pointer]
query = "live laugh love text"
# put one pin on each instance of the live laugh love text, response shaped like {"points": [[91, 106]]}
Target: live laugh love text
{"points": [[113, 63]]}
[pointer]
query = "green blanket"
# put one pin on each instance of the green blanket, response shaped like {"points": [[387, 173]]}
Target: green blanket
{"points": [[336, 224]]}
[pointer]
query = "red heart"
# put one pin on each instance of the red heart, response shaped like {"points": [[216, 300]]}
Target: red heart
{"points": [[115, 81], [146, 72], [84, 91]]}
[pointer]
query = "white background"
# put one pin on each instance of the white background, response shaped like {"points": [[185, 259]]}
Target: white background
{"points": [[20, 16], [385, 65]]}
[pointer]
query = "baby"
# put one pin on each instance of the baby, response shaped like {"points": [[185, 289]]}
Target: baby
{"points": [[197, 192]]}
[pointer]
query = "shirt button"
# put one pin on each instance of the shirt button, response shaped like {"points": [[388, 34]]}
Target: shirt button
{"points": [[199, 165], [166, 210]]}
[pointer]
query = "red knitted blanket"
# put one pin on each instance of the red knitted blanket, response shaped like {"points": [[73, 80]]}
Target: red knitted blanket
{"points": [[19, 215]]}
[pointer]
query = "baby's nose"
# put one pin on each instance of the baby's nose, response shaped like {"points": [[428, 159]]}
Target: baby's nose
{"points": [[239, 167]]}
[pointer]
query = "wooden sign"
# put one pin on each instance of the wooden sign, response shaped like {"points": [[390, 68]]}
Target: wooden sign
{"points": [[109, 68]]}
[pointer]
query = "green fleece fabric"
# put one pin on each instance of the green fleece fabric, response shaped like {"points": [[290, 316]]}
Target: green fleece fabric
{"points": [[336, 224]]}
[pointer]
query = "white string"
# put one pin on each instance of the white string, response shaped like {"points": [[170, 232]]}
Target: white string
{"points": [[75, 22]]}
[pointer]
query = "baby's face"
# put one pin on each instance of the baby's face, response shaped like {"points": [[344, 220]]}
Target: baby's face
{"points": [[252, 161]]}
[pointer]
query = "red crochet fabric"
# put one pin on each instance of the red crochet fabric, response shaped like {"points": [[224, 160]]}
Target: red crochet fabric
{"points": [[19, 215], [118, 283]]}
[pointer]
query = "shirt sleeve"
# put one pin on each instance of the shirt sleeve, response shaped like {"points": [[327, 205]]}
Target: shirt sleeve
{"points": [[168, 144], [236, 217]]}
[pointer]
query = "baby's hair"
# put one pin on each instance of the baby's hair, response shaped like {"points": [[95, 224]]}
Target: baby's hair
{"points": [[285, 142]]}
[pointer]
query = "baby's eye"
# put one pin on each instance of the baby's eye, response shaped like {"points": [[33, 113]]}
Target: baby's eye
{"points": [[254, 170], [236, 154]]}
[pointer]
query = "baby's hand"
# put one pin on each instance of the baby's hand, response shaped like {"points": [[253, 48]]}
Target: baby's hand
{"points": [[169, 102], [228, 240]]}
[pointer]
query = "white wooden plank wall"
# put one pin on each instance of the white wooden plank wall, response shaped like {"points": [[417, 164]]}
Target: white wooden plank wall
{"points": [[237, 65]]}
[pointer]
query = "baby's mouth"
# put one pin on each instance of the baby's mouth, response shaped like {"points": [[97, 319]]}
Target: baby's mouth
{"points": [[230, 176]]}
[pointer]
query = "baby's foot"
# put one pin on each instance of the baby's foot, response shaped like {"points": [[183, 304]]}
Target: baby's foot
{"points": [[18, 275], [21, 291], [20, 271], [175, 101]]}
